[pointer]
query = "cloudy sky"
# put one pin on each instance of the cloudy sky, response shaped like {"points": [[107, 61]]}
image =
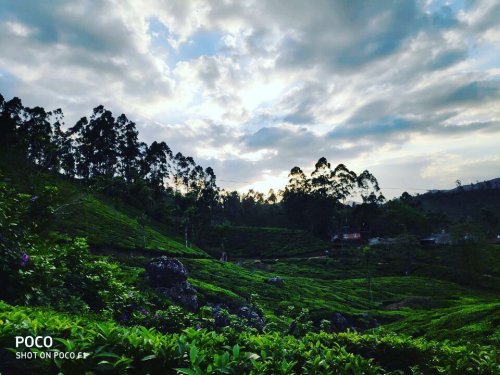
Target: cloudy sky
{"points": [[407, 89]]}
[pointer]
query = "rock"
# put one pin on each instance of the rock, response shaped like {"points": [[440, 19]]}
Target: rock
{"points": [[169, 276], [252, 317], [367, 321], [276, 280], [248, 316], [183, 294], [221, 316], [165, 271], [339, 322]]}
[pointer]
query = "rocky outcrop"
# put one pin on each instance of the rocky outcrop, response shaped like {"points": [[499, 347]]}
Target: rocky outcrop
{"points": [[276, 280], [340, 323], [360, 323], [221, 316], [252, 317], [247, 315], [165, 271], [366, 321], [169, 277]]}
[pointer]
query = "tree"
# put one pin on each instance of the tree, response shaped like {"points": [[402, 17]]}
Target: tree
{"points": [[231, 206], [96, 144], [210, 192], [406, 197], [128, 149], [344, 182], [296, 197], [83, 149], [66, 152], [196, 181], [321, 178], [102, 133], [368, 186], [187, 165], [156, 162], [36, 135], [182, 168], [199, 201], [271, 197], [10, 119]]}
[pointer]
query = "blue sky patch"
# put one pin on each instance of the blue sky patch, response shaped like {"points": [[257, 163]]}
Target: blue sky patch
{"points": [[202, 43]]}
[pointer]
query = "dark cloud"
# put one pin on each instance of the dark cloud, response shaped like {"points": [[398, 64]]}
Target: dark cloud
{"points": [[350, 34], [299, 105], [234, 173], [488, 127], [395, 129], [299, 146], [57, 22], [379, 131], [488, 14], [78, 56]]}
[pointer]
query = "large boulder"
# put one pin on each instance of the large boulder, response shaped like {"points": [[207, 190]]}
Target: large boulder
{"points": [[182, 293], [276, 280], [165, 272], [169, 277], [221, 316], [366, 321], [247, 315], [252, 317], [339, 322]]}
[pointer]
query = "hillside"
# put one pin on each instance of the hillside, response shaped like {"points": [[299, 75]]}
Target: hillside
{"points": [[481, 206], [402, 295], [79, 263], [480, 185], [258, 242], [82, 211], [376, 294]]}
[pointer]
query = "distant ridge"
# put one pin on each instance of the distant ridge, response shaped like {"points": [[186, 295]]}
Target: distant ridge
{"points": [[465, 201], [483, 185]]}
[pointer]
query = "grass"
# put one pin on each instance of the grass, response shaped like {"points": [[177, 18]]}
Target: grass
{"points": [[468, 321], [401, 303], [105, 226], [349, 296], [258, 242]]}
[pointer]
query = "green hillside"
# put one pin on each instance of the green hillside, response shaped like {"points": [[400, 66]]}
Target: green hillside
{"points": [[84, 212], [415, 305], [436, 294], [76, 265], [257, 242], [479, 206]]}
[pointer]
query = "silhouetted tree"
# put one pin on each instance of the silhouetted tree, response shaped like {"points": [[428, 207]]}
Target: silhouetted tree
{"points": [[35, 134], [10, 119], [156, 161], [128, 149]]}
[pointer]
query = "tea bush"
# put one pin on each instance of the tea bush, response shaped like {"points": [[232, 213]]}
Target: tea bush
{"points": [[136, 349]]}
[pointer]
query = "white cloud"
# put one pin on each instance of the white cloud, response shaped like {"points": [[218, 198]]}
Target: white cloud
{"points": [[268, 85]]}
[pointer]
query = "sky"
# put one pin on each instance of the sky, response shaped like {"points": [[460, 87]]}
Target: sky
{"points": [[409, 90]]}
